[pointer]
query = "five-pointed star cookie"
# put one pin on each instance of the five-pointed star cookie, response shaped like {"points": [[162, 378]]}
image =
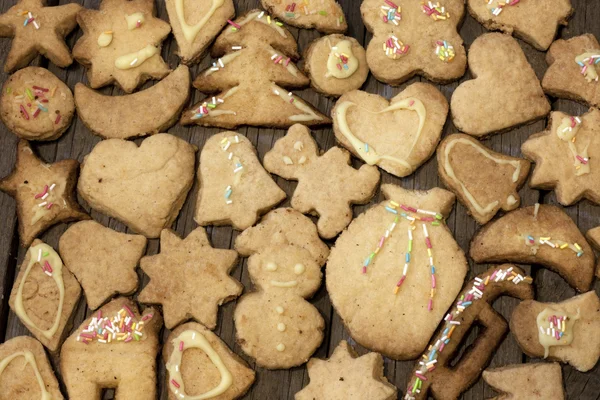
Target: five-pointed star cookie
{"points": [[189, 278], [45, 193], [346, 376], [121, 43], [38, 29], [567, 157]]}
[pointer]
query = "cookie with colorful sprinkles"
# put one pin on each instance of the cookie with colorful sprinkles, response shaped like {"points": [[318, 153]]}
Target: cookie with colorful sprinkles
{"points": [[397, 267], [568, 331], [541, 381], [325, 16], [44, 295], [336, 64], [45, 193], [25, 372], [436, 372], [115, 348], [38, 29], [198, 361], [36, 105], [415, 38]]}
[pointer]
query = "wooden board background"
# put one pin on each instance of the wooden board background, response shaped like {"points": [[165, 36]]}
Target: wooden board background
{"points": [[271, 385]]}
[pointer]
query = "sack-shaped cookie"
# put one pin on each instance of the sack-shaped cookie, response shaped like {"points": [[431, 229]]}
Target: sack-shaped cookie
{"points": [[44, 295], [540, 234], [504, 93], [25, 371], [527, 381], [565, 157], [234, 189], [327, 184], [115, 348], [144, 186], [147, 112], [437, 374], [396, 135], [573, 69], [121, 43], [483, 180], [196, 23], [345, 375], [44, 193], [189, 278], [251, 79], [414, 38], [568, 331], [197, 361], [336, 64], [38, 29], [324, 15], [36, 105], [275, 324], [397, 268], [515, 17]]}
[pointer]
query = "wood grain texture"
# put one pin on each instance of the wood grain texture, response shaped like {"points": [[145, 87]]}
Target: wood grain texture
{"points": [[282, 385]]}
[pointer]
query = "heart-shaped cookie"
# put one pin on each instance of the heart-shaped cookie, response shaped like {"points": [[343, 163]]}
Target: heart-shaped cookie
{"points": [[144, 186], [397, 135], [505, 92]]}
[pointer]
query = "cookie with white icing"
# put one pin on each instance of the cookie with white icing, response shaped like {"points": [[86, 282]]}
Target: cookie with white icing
{"points": [[483, 180], [336, 64]]}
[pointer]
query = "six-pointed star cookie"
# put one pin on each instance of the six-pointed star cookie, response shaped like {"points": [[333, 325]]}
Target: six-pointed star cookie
{"points": [[189, 278], [121, 43], [38, 29], [346, 376], [567, 157], [44, 193]]}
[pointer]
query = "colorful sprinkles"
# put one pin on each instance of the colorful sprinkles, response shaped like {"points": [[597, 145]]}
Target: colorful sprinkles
{"points": [[394, 48], [391, 12], [436, 11], [497, 6], [46, 267], [33, 101], [556, 326], [205, 107], [444, 51], [429, 358], [586, 64], [553, 243], [297, 9], [29, 19], [342, 59], [43, 196], [237, 165], [123, 327], [280, 59]]}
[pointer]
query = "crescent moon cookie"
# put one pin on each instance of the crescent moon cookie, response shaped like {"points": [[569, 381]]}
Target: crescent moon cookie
{"points": [[197, 361], [44, 193], [568, 331], [115, 348], [325, 16], [565, 157], [540, 234], [36, 105], [483, 180], [514, 17], [121, 43], [336, 64], [505, 89], [25, 372], [541, 381], [37, 29], [396, 135], [414, 38], [397, 267], [196, 23], [251, 79], [573, 69], [44, 295], [147, 112]]}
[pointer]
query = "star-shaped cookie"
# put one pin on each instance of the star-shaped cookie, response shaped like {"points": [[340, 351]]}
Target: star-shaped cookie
{"points": [[189, 278], [567, 157], [45, 193], [346, 376], [121, 43], [37, 29], [103, 260]]}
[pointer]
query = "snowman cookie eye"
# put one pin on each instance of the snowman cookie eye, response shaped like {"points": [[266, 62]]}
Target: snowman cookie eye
{"points": [[271, 266], [299, 269]]}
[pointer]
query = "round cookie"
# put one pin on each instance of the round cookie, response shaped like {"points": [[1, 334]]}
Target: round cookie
{"points": [[36, 105], [336, 64]]}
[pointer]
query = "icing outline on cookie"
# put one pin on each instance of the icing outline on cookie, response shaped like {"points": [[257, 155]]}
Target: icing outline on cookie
{"points": [[193, 339], [29, 359], [258, 16], [191, 31]]}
